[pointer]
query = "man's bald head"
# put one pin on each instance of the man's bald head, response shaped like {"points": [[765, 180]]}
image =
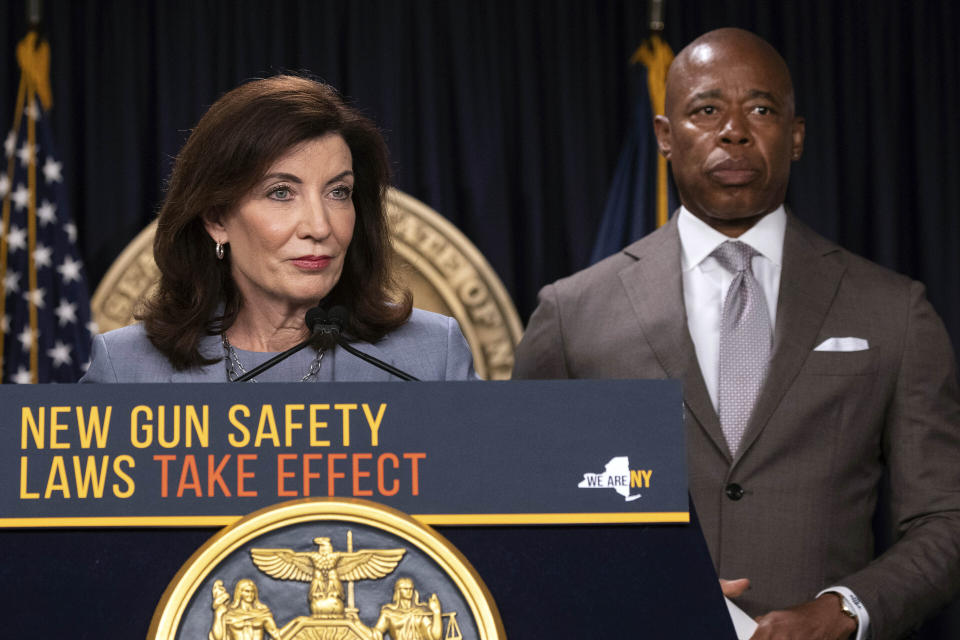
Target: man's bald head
{"points": [[730, 131], [730, 44]]}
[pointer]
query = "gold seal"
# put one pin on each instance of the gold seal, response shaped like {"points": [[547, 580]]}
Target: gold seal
{"points": [[443, 269], [365, 572]]}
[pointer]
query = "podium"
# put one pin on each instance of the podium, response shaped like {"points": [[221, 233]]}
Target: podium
{"points": [[509, 476]]}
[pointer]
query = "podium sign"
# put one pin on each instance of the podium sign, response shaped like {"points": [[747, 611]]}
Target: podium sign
{"points": [[462, 453]]}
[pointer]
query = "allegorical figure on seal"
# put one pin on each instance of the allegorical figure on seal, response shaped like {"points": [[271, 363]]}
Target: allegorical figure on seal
{"points": [[246, 618], [324, 569], [406, 618]]}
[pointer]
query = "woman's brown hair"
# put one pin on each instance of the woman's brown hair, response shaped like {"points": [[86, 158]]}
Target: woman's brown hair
{"points": [[228, 152]]}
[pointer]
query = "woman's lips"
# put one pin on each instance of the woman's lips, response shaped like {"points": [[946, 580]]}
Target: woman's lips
{"points": [[312, 262]]}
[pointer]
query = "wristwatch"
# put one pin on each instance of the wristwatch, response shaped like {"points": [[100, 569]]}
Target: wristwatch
{"points": [[846, 609]]}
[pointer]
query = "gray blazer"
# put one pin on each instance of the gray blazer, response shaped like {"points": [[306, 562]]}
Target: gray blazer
{"points": [[429, 346], [792, 510]]}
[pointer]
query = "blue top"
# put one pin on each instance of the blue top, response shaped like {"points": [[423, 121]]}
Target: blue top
{"points": [[428, 346]]}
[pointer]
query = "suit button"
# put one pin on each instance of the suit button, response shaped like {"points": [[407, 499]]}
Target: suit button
{"points": [[734, 491]]}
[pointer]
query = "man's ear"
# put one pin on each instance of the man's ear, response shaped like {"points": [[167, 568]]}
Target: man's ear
{"points": [[215, 228], [798, 133], [661, 127]]}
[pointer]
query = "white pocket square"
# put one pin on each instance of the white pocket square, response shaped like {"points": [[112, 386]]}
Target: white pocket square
{"points": [[843, 344]]}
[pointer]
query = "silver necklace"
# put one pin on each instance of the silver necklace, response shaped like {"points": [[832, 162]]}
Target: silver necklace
{"points": [[233, 364]]}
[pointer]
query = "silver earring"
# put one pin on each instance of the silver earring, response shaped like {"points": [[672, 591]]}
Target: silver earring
{"points": [[219, 251]]}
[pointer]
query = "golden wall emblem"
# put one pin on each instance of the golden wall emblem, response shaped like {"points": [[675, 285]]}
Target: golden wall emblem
{"points": [[243, 586]]}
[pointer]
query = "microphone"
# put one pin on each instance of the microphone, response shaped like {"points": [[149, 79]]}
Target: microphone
{"points": [[332, 324], [320, 324], [339, 316], [327, 323]]}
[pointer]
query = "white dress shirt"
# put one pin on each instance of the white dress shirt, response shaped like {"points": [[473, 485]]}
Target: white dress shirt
{"points": [[705, 284]]}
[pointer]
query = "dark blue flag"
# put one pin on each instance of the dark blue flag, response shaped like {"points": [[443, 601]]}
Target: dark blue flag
{"points": [[45, 308], [638, 200]]}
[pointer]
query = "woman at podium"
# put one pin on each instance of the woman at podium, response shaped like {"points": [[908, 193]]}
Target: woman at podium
{"points": [[276, 203]]}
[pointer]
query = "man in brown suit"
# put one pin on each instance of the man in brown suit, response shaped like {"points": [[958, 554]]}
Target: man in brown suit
{"points": [[857, 375]]}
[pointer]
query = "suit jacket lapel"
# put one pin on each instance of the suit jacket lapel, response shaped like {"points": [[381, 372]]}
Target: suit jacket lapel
{"points": [[654, 286], [808, 283]]}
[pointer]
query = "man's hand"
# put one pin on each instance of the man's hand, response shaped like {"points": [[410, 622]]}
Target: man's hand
{"points": [[820, 619]]}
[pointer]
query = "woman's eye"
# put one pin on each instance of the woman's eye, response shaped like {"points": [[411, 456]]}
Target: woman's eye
{"points": [[342, 192], [280, 193]]}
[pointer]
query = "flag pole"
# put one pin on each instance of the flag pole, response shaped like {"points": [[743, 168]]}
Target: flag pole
{"points": [[656, 16], [34, 13], [656, 56]]}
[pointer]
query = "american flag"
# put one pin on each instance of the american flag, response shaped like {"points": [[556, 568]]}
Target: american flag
{"points": [[44, 307]]}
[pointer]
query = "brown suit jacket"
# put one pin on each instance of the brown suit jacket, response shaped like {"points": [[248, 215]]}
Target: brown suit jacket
{"points": [[793, 510]]}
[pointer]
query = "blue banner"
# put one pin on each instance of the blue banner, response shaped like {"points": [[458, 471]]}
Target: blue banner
{"points": [[522, 452]]}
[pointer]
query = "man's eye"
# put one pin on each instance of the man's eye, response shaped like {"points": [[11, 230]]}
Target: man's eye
{"points": [[708, 110], [762, 110]]}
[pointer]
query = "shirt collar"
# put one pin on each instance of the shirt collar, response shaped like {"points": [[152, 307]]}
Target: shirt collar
{"points": [[698, 239]]}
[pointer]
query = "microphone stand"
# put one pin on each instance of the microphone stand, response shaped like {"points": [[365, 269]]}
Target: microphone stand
{"points": [[274, 360], [380, 364]]}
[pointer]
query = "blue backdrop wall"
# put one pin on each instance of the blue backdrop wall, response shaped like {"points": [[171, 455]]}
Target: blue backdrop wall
{"points": [[507, 116]]}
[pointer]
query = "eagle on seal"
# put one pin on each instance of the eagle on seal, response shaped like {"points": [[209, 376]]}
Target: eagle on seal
{"points": [[324, 569]]}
